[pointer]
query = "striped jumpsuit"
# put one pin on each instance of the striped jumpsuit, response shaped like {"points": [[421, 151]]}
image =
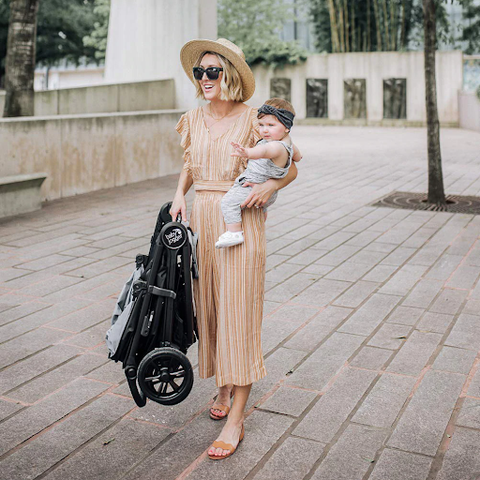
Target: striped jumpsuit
{"points": [[230, 289]]}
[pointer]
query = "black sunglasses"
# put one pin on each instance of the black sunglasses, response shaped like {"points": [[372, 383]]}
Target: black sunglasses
{"points": [[212, 72]]}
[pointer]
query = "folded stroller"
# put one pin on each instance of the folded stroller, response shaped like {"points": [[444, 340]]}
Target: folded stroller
{"points": [[154, 322]]}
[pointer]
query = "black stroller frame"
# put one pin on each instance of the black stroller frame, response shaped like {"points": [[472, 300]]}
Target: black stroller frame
{"points": [[161, 325]]}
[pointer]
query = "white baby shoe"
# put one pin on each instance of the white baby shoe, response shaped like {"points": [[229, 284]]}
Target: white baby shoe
{"points": [[228, 239]]}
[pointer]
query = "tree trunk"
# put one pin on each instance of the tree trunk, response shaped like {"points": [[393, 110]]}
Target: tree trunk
{"points": [[333, 26], [436, 193], [378, 25], [20, 59]]}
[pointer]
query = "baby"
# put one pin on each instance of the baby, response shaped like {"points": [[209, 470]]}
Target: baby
{"points": [[270, 158]]}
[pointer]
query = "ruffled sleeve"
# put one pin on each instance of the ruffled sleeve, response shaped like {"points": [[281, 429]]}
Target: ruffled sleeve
{"points": [[183, 128]]}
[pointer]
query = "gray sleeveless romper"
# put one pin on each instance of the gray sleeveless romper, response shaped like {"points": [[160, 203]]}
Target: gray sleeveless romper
{"points": [[257, 171]]}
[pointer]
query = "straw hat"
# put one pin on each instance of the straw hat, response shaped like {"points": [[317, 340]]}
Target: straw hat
{"points": [[193, 49]]}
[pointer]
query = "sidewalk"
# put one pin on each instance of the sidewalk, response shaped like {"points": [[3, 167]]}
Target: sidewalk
{"points": [[371, 331]]}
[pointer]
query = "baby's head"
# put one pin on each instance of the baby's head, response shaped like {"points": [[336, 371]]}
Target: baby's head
{"points": [[275, 119]]}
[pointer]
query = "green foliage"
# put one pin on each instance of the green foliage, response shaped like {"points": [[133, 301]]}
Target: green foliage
{"points": [[478, 92], [254, 25], [4, 18], [61, 26], [471, 32], [98, 37]]}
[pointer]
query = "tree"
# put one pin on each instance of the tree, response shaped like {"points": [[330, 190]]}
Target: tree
{"points": [[255, 25], [98, 37], [471, 31], [371, 25], [436, 192], [20, 60]]}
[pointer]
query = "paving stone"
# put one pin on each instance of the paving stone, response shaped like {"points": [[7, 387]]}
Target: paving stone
{"points": [[368, 256], [325, 362], [423, 294], [455, 360], [465, 332], [307, 257], [28, 344], [22, 311], [299, 246], [462, 245], [427, 255], [318, 328], [444, 267], [283, 323], [378, 246], [294, 459], [371, 358], [348, 271], [469, 415], [35, 365], [390, 336], [370, 315], [435, 322], [415, 353], [110, 372], [472, 307], [30, 461], [464, 277], [40, 318], [282, 272], [422, 425], [288, 289], [356, 294], [47, 383], [396, 465], [128, 441], [380, 273], [322, 292], [44, 262], [34, 419], [86, 317], [384, 402], [338, 256], [461, 461], [351, 456], [279, 365], [449, 301], [8, 408], [92, 337], [289, 401], [325, 418], [399, 256], [474, 388], [403, 280], [405, 315], [316, 269]]}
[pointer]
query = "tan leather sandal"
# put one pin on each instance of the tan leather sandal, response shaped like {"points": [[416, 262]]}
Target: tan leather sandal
{"points": [[222, 408], [226, 446]]}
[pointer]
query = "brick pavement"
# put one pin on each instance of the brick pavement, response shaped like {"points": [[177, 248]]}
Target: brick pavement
{"points": [[371, 330]]}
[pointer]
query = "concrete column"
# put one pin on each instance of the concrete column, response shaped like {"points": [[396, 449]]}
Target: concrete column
{"points": [[145, 38]]}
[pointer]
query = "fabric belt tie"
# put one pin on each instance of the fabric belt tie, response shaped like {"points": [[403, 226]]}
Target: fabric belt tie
{"points": [[213, 185]]}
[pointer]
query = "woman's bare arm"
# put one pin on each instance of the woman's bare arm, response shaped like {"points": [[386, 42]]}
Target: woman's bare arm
{"points": [[179, 205], [261, 192]]}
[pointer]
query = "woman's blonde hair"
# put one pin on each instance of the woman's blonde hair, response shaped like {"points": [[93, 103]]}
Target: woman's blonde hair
{"points": [[278, 103], [231, 88]]}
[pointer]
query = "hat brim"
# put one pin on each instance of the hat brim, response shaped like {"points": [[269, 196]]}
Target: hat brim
{"points": [[192, 50]]}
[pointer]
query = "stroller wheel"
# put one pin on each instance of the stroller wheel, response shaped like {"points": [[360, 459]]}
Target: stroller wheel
{"points": [[166, 376]]}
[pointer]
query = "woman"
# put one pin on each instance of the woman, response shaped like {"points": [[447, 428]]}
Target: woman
{"points": [[230, 290]]}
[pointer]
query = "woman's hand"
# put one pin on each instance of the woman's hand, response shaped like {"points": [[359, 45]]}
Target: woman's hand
{"points": [[260, 194], [179, 205], [239, 150]]}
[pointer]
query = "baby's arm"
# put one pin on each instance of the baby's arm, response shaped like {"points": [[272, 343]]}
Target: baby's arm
{"points": [[297, 156], [267, 150]]}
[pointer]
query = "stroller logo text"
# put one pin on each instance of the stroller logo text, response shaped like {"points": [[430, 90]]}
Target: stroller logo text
{"points": [[174, 236]]}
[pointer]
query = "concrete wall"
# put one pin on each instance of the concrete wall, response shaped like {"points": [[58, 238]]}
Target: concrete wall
{"points": [[68, 77], [121, 97], [374, 67], [469, 107], [145, 38], [83, 153]]}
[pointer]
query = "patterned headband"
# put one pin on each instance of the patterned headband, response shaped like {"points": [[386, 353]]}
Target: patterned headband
{"points": [[283, 115]]}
